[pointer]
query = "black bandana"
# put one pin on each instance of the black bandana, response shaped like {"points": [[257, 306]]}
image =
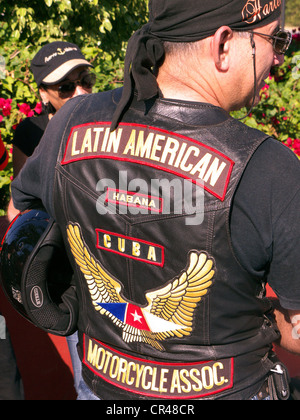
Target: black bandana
{"points": [[184, 21]]}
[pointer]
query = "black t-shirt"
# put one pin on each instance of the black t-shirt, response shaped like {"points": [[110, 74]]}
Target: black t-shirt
{"points": [[29, 133], [265, 222], [265, 219]]}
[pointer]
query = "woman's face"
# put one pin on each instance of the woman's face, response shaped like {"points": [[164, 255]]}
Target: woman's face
{"points": [[56, 94]]}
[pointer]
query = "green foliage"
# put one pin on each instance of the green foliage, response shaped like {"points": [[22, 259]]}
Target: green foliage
{"points": [[292, 14], [100, 28], [278, 113], [84, 22]]}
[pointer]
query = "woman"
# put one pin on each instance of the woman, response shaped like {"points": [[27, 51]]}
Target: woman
{"points": [[61, 73]]}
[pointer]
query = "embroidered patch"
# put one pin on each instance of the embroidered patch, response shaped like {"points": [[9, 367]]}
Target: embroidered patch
{"points": [[170, 310], [133, 248], [157, 379], [133, 199], [150, 146]]}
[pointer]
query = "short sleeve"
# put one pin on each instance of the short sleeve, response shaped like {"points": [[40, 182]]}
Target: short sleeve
{"points": [[29, 133], [284, 275], [265, 220]]}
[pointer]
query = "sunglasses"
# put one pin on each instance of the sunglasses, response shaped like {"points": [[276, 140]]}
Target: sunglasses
{"points": [[281, 40], [87, 81]]}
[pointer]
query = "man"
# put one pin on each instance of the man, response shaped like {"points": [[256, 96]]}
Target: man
{"points": [[172, 286]]}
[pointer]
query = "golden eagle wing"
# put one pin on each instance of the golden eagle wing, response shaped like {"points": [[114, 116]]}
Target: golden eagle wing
{"points": [[102, 286], [178, 300]]}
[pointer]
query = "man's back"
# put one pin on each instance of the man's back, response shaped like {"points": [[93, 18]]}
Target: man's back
{"points": [[145, 211], [149, 197]]}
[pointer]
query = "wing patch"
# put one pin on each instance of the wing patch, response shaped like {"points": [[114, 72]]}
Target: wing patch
{"points": [[170, 310]]}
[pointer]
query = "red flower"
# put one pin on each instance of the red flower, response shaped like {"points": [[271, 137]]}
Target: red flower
{"points": [[39, 108], [2, 102], [25, 109], [296, 146], [265, 92], [5, 102], [6, 110], [5, 105], [296, 37], [275, 120]]}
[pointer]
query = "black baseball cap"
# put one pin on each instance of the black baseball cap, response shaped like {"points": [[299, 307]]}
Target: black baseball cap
{"points": [[55, 61]]}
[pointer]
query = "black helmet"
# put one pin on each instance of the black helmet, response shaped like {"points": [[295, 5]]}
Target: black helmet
{"points": [[36, 274]]}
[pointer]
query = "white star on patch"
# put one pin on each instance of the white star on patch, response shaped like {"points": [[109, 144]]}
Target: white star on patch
{"points": [[137, 317]]}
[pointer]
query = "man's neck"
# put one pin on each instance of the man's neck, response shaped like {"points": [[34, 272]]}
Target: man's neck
{"points": [[175, 87]]}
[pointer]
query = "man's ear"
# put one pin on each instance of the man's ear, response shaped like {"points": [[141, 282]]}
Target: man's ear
{"points": [[220, 47]]}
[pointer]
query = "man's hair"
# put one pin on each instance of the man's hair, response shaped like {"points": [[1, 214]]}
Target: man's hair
{"points": [[181, 48], [242, 34]]}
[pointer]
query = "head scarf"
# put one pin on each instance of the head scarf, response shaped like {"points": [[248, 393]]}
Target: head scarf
{"points": [[183, 21]]}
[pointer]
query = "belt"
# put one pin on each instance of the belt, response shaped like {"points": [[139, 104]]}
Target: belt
{"points": [[276, 386]]}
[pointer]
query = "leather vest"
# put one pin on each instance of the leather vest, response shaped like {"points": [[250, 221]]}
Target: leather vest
{"points": [[166, 310]]}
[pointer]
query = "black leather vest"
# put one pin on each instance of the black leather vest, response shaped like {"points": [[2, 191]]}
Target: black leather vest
{"points": [[167, 311]]}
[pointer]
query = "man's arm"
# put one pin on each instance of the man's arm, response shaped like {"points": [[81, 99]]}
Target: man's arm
{"points": [[288, 322]]}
